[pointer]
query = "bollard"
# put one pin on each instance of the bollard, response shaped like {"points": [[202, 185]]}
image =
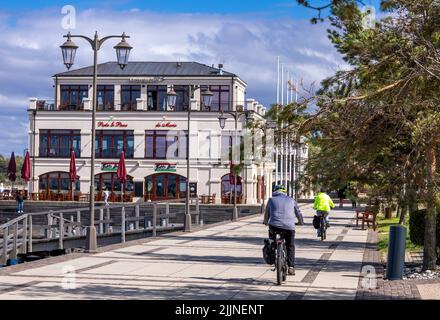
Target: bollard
{"points": [[396, 252], [154, 219]]}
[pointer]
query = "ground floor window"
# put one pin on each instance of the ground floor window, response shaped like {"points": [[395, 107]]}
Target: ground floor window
{"points": [[117, 192], [56, 186], [165, 186], [228, 189]]}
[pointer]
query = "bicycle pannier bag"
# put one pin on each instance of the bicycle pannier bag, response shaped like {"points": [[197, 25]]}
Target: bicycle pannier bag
{"points": [[316, 222], [269, 251]]}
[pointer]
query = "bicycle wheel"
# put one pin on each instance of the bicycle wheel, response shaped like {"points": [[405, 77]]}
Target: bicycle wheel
{"points": [[285, 267], [322, 226], [279, 264]]}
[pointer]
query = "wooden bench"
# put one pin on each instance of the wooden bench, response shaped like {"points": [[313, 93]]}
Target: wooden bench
{"points": [[366, 216]]}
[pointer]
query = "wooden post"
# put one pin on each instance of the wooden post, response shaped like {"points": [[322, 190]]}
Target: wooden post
{"points": [[197, 211], [15, 243], [107, 225], [69, 227], [136, 212], [123, 225], [78, 221], [167, 214], [154, 222], [61, 232], [101, 217], [30, 233], [24, 236], [49, 225], [5, 246]]}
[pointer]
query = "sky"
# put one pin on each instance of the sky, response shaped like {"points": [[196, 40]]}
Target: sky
{"points": [[246, 36]]}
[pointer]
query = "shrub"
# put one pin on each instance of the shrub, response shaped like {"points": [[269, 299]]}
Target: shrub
{"points": [[417, 227]]}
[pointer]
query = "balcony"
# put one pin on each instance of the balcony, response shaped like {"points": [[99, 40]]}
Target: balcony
{"points": [[118, 106]]}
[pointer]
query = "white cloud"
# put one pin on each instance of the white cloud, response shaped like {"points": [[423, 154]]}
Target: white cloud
{"points": [[247, 45]]}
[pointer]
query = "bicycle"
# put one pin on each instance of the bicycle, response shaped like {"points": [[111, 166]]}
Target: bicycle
{"points": [[322, 227], [280, 259]]}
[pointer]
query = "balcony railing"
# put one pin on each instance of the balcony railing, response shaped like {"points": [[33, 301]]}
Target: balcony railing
{"points": [[117, 106]]}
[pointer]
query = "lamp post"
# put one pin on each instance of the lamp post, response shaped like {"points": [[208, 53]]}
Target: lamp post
{"points": [[222, 121], [69, 52], [207, 99], [270, 125]]}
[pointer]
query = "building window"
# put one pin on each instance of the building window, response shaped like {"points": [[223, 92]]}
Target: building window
{"points": [[160, 144], [110, 182], [165, 186], [110, 144], [72, 96], [55, 183], [106, 98], [157, 98], [182, 101], [129, 94], [228, 192], [220, 98], [227, 147], [60, 143]]}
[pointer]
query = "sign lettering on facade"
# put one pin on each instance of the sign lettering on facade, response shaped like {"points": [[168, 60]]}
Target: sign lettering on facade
{"points": [[165, 167], [166, 125], [109, 166], [112, 124], [147, 80]]}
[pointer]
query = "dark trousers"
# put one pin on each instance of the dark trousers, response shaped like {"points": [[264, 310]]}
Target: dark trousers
{"points": [[289, 237]]}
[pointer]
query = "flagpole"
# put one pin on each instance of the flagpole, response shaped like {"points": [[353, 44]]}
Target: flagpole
{"points": [[278, 102], [282, 125]]}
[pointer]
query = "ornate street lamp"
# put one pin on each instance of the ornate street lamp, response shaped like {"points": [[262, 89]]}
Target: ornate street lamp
{"points": [[222, 121], [172, 99], [69, 51], [207, 98], [123, 52]]}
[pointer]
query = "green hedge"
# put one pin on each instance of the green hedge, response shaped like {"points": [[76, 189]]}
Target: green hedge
{"points": [[417, 227]]}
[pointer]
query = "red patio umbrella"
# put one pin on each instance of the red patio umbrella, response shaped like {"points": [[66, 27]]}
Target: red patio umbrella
{"points": [[122, 172], [26, 168], [231, 174], [12, 169], [72, 171]]}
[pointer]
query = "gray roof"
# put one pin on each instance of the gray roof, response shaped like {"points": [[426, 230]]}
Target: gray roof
{"points": [[112, 69]]}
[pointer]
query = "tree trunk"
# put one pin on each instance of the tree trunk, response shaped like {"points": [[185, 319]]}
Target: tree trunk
{"points": [[429, 250], [403, 213]]}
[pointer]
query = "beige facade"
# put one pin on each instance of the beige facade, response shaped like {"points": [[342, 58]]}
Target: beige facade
{"points": [[207, 164]]}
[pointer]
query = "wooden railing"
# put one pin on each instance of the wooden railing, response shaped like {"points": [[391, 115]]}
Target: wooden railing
{"points": [[19, 235]]}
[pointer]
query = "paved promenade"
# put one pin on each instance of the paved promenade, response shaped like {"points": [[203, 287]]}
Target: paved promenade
{"points": [[220, 262]]}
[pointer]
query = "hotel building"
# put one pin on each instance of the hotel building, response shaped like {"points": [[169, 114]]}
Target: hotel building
{"points": [[133, 116]]}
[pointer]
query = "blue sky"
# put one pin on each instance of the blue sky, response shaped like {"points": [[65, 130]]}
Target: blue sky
{"points": [[246, 36]]}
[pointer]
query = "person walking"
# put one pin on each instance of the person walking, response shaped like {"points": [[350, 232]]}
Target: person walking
{"points": [[280, 217], [341, 196], [106, 195], [20, 202], [323, 204]]}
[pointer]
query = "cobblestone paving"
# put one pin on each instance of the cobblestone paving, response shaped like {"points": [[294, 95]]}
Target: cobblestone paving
{"points": [[386, 290]]}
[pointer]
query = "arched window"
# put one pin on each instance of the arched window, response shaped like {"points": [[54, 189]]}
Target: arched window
{"points": [[228, 189], [165, 186], [110, 182], [57, 186]]}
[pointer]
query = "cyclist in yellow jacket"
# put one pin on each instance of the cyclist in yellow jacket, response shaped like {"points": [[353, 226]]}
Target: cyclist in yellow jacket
{"points": [[323, 204]]}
